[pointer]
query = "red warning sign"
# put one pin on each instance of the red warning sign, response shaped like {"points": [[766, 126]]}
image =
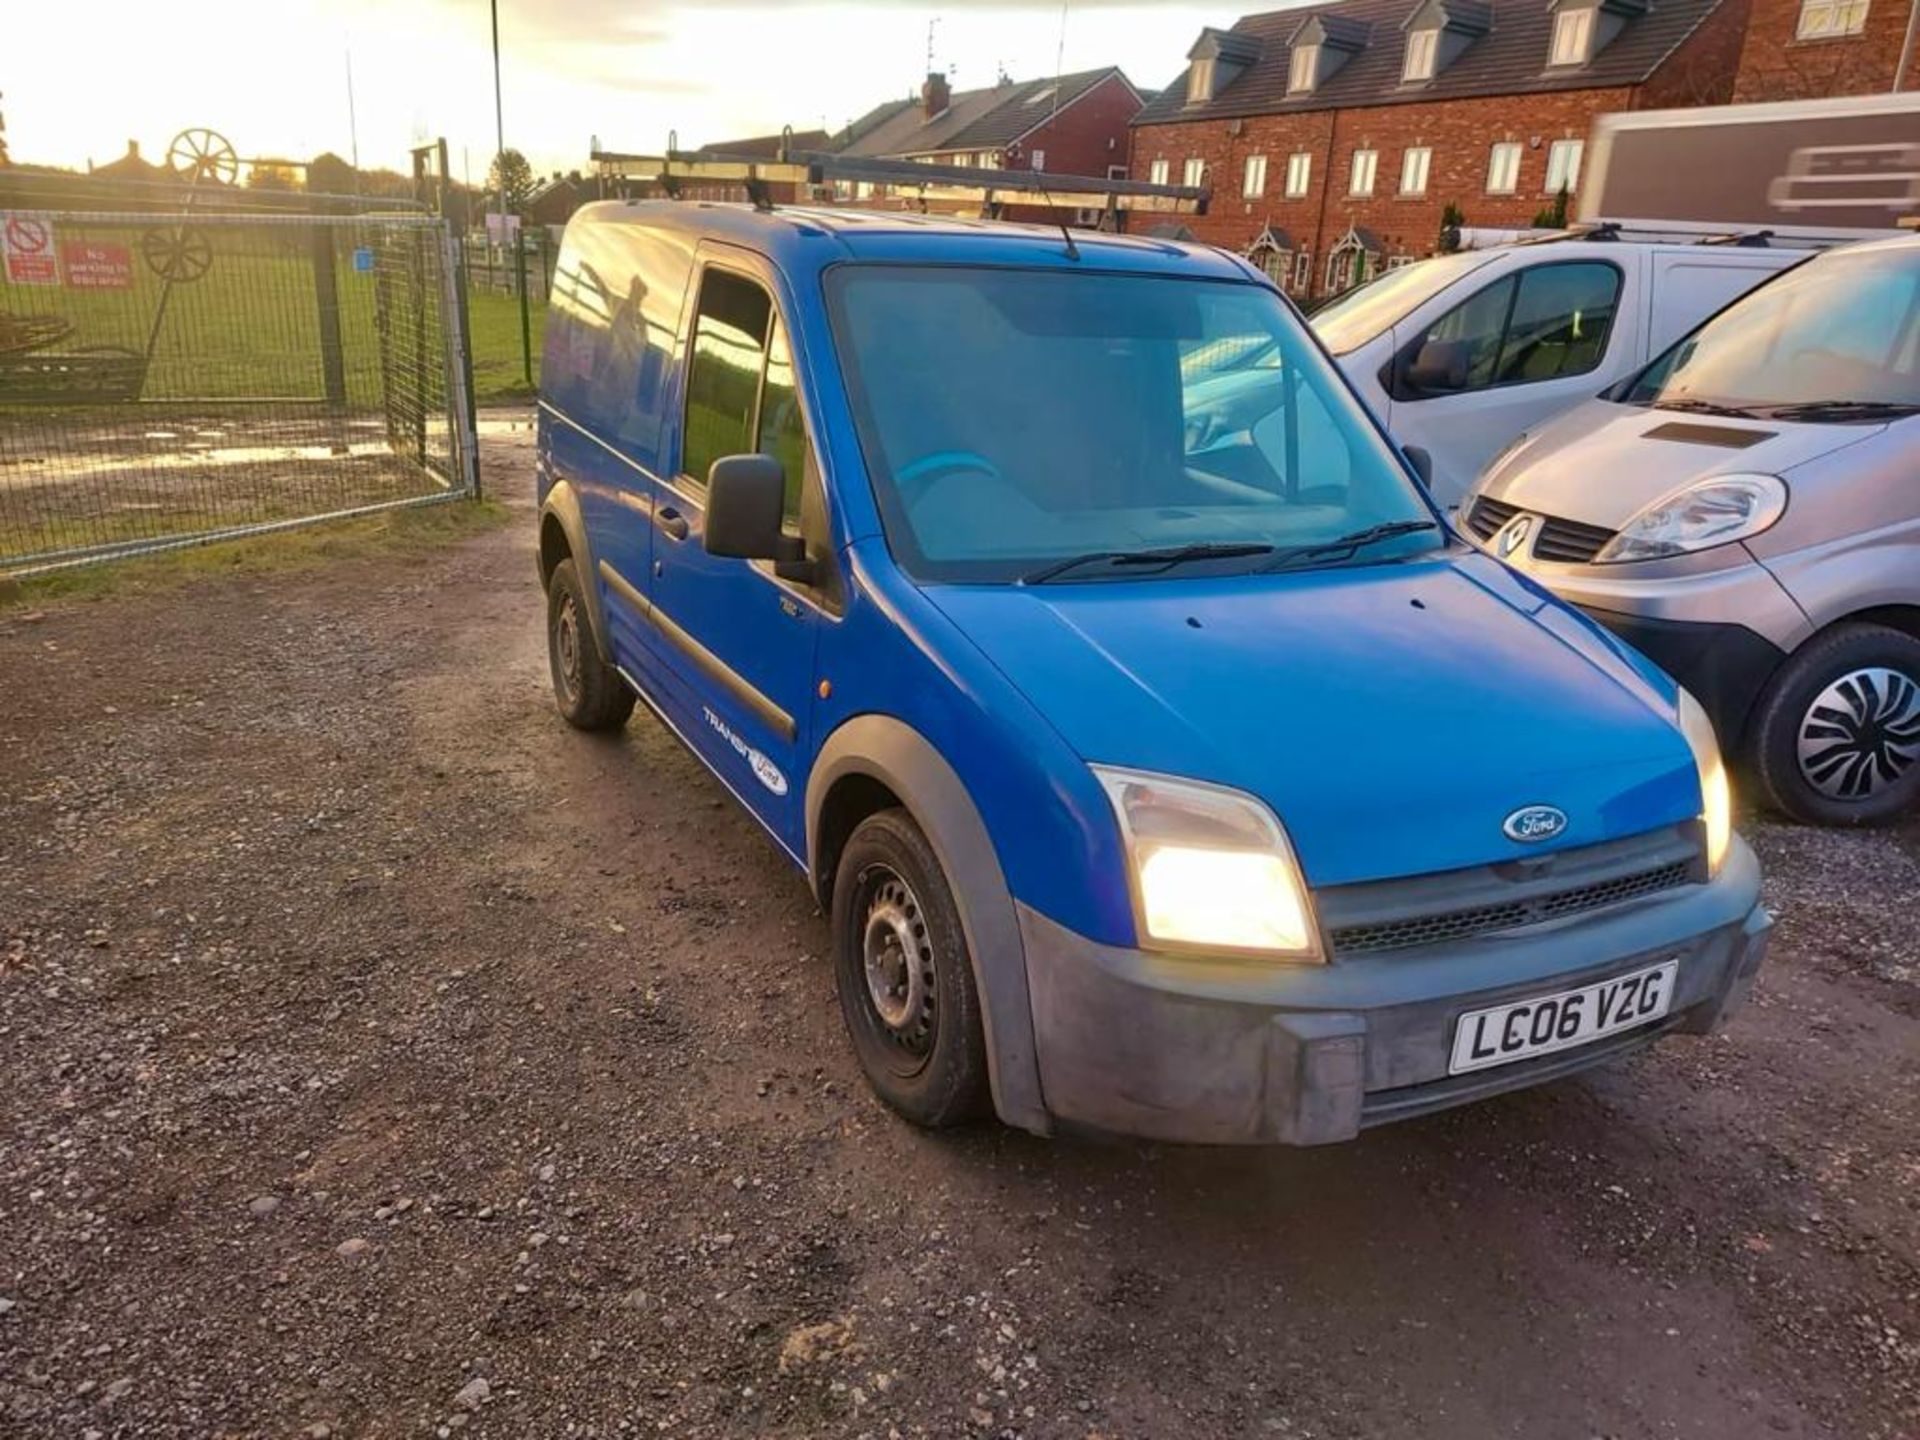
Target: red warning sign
{"points": [[91, 265], [27, 243]]}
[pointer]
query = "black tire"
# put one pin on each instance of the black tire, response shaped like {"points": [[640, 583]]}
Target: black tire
{"points": [[929, 1061], [1836, 736], [590, 693]]}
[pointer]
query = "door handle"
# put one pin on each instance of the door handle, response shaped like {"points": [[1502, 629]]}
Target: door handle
{"points": [[671, 521]]}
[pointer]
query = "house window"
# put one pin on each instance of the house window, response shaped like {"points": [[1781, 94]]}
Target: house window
{"points": [[1365, 163], [1254, 183], [1157, 173], [1194, 172], [1819, 18], [863, 190], [1572, 32], [1413, 170], [1302, 271], [1306, 64], [1563, 165], [1299, 173], [1503, 168], [965, 161], [1422, 45], [989, 160], [1039, 159], [1200, 82], [1116, 172]]}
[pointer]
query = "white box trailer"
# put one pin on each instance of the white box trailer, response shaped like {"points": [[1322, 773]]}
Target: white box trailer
{"points": [[1819, 169]]}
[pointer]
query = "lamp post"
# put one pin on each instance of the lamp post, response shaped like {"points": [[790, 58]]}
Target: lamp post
{"points": [[500, 165]]}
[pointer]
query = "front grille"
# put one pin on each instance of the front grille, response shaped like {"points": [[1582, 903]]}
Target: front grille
{"points": [[1434, 929], [1568, 541], [1487, 516]]}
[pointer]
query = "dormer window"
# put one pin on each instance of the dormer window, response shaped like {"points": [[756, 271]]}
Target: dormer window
{"points": [[1422, 47], [1306, 67], [1200, 82], [1572, 37]]}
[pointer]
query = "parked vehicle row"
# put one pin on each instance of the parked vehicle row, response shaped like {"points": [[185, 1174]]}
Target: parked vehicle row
{"points": [[1164, 760]]}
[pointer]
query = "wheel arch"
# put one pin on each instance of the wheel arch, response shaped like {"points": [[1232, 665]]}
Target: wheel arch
{"points": [[875, 762], [563, 535]]}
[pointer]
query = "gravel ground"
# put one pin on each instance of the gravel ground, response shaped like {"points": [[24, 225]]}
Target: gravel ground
{"points": [[383, 1058]]}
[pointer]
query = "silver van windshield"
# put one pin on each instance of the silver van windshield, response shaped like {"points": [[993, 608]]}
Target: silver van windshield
{"points": [[1832, 341]]}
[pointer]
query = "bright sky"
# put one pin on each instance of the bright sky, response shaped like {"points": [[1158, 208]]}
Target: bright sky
{"points": [[272, 76]]}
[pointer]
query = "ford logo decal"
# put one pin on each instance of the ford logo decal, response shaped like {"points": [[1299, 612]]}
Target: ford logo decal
{"points": [[1533, 823]]}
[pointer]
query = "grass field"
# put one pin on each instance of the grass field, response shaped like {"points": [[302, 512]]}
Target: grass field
{"points": [[499, 375]]}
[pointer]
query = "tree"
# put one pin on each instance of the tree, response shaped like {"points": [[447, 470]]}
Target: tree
{"points": [[1452, 221], [273, 175], [328, 174], [1554, 216], [511, 172]]}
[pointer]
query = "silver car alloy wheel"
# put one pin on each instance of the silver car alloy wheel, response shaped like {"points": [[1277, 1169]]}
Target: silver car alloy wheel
{"points": [[1861, 734]]}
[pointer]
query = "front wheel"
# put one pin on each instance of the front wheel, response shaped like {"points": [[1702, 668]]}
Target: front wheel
{"points": [[1837, 735], [903, 975]]}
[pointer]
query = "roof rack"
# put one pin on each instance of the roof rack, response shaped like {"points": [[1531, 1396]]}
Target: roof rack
{"points": [[961, 185], [1610, 230]]}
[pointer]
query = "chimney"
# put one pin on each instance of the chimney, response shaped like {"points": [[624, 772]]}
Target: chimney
{"points": [[133, 149], [934, 95]]}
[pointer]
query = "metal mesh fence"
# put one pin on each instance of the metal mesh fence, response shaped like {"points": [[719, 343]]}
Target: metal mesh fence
{"points": [[171, 378]]}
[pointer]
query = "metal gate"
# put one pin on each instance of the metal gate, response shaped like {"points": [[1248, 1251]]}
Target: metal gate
{"points": [[174, 377]]}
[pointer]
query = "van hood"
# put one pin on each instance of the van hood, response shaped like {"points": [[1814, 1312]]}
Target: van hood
{"points": [[1393, 716], [1602, 463]]}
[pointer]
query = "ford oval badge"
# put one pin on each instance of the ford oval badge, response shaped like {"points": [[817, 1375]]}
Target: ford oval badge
{"points": [[1531, 824]]}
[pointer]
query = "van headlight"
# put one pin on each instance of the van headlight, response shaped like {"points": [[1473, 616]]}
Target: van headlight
{"points": [[1210, 868], [1716, 794], [1716, 511]]}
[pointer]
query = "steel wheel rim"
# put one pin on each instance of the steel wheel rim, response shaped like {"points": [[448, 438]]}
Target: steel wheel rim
{"points": [[566, 648], [1861, 735], [896, 958]]}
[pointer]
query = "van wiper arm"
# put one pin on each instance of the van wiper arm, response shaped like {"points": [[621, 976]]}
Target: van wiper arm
{"points": [[1814, 412], [1703, 407], [1347, 544], [1164, 558]]}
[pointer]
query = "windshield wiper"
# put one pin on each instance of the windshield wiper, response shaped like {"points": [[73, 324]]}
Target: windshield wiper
{"points": [[1349, 543], [1164, 558], [1704, 407], [1816, 411]]}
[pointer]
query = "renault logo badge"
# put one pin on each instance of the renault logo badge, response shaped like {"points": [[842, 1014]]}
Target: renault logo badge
{"points": [[1515, 535]]}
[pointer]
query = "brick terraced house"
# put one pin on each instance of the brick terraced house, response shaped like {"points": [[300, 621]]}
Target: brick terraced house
{"points": [[1069, 125], [1802, 49], [1335, 136]]}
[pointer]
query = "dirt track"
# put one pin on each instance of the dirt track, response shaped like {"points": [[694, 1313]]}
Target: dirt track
{"points": [[366, 1034]]}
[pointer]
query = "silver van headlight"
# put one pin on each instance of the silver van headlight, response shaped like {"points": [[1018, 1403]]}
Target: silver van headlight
{"points": [[1210, 869], [1715, 511]]}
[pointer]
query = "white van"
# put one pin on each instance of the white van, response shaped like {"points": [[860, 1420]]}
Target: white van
{"points": [[1459, 354]]}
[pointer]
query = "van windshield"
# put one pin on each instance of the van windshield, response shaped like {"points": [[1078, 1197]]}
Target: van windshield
{"points": [[1349, 322], [1018, 423], [1836, 339]]}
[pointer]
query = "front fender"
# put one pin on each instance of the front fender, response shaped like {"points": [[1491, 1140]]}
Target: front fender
{"points": [[882, 748]]}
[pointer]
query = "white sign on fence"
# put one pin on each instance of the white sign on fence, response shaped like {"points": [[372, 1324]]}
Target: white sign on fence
{"points": [[27, 243]]}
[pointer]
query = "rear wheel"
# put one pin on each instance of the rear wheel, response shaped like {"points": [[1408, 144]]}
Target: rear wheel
{"points": [[904, 976], [590, 693], [1837, 734]]}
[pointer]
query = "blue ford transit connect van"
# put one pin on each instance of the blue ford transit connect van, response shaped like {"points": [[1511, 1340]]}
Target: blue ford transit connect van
{"points": [[1163, 761]]}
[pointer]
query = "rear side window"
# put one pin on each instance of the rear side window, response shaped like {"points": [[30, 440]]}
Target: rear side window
{"points": [[1546, 323]]}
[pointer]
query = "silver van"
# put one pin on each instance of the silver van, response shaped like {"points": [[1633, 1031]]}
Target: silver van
{"points": [[1746, 511]]}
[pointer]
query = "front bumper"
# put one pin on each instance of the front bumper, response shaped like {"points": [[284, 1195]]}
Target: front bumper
{"points": [[1239, 1052], [1724, 667]]}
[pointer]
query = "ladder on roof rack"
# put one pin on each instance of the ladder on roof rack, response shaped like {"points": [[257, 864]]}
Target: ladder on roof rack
{"points": [[964, 187]]}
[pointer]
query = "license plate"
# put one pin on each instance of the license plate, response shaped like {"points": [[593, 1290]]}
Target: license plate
{"points": [[1546, 1023]]}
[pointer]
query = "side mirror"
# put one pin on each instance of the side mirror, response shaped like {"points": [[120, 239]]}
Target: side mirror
{"points": [[746, 495], [1439, 365], [1421, 460]]}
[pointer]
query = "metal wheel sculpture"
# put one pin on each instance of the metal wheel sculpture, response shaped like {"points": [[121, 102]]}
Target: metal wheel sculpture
{"points": [[179, 255], [200, 156]]}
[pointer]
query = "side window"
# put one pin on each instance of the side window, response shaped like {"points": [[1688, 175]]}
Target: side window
{"points": [[1560, 323], [1462, 348], [723, 377], [783, 433]]}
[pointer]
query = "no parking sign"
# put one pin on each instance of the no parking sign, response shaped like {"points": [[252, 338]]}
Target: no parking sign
{"points": [[27, 242]]}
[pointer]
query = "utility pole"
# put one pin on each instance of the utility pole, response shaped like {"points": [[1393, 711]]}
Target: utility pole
{"points": [[506, 234]]}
